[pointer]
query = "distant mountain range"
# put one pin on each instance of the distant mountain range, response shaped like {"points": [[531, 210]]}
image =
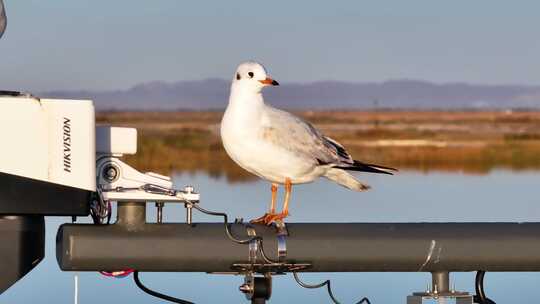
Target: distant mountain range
{"points": [[212, 94]]}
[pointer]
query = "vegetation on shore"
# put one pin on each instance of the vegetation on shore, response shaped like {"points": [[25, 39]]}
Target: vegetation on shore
{"points": [[470, 142]]}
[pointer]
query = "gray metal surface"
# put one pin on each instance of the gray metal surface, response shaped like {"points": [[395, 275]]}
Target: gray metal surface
{"points": [[22, 247], [343, 247], [440, 280], [468, 299]]}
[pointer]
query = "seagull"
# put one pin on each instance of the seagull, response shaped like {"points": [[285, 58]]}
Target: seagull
{"points": [[279, 146]]}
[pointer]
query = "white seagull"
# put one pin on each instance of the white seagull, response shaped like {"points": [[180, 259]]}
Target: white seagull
{"points": [[280, 147]]}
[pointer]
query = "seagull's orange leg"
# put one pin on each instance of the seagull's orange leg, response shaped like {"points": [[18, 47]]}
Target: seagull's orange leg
{"points": [[274, 194], [272, 212], [285, 212]]}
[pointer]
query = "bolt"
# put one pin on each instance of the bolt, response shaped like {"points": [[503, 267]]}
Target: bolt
{"points": [[246, 288], [110, 173], [189, 213], [160, 206], [188, 189]]}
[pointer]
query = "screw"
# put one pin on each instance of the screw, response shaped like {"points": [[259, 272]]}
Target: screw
{"points": [[188, 189], [110, 173], [160, 212], [246, 288], [189, 214]]}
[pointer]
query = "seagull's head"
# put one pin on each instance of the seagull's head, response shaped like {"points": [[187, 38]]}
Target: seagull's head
{"points": [[252, 76]]}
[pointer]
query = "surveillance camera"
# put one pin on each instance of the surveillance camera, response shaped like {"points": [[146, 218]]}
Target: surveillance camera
{"points": [[47, 161], [47, 167]]}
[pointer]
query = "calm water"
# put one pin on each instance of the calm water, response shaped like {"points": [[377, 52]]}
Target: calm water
{"points": [[409, 196]]}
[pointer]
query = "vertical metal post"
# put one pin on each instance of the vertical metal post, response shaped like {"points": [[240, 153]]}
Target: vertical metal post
{"points": [[189, 207], [440, 291], [76, 289], [131, 215], [159, 207], [440, 281], [189, 214]]}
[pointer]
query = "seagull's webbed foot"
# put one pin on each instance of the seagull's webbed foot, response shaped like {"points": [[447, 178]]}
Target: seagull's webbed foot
{"points": [[263, 219], [275, 218]]}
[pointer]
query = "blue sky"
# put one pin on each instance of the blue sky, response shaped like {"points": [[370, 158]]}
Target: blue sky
{"points": [[99, 44]]}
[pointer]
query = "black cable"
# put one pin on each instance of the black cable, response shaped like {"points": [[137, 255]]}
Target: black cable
{"points": [[328, 287], [226, 223], [155, 293], [100, 210], [231, 236], [240, 241], [480, 296]]}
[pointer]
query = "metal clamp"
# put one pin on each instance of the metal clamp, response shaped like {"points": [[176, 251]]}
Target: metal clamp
{"points": [[282, 234], [268, 267], [272, 268], [253, 245]]}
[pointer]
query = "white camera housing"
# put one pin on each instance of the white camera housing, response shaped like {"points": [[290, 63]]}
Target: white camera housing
{"points": [[51, 140]]}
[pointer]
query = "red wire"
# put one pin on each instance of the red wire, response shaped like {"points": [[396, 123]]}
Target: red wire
{"points": [[117, 274]]}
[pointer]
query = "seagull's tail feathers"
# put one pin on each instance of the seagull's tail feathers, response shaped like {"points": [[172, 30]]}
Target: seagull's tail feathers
{"points": [[363, 167], [345, 179]]}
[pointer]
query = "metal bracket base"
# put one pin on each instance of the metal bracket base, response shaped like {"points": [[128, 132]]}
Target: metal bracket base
{"points": [[273, 268], [458, 297]]}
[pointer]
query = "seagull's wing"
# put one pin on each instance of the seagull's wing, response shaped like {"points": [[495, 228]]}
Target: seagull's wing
{"points": [[293, 134]]}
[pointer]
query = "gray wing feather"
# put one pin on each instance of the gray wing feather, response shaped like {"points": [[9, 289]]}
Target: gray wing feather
{"points": [[300, 137]]}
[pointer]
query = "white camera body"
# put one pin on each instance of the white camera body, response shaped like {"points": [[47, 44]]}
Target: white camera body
{"points": [[51, 140]]}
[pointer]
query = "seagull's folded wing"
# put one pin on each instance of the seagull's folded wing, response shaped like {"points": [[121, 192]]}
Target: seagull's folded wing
{"points": [[293, 134]]}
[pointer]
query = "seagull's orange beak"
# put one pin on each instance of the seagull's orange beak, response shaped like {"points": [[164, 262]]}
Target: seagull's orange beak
{"points": [[269, 81]]}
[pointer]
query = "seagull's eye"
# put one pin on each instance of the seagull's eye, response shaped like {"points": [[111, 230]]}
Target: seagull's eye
{"points": [[238, 76], [250, 74]]}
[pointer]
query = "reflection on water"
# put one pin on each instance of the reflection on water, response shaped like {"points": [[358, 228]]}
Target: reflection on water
{"points": [[408, 196], [214, 162], [404, 197]]}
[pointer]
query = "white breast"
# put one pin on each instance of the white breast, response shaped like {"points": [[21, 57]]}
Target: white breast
{"points": [[242, 139]]}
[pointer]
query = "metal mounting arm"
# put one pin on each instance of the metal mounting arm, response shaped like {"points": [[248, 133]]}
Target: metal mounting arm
{"points": [[117, 181]]}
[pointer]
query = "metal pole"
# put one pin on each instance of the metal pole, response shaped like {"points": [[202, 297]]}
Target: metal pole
{"points": [[440, 281], [131, 215], [189, 214], [204, 247]]}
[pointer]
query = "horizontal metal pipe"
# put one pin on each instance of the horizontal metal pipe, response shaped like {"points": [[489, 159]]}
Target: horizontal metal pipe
{"points": [[204, 247]]}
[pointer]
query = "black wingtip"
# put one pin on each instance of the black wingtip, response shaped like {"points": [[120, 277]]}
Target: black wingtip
{"points": [[363, 167]]}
